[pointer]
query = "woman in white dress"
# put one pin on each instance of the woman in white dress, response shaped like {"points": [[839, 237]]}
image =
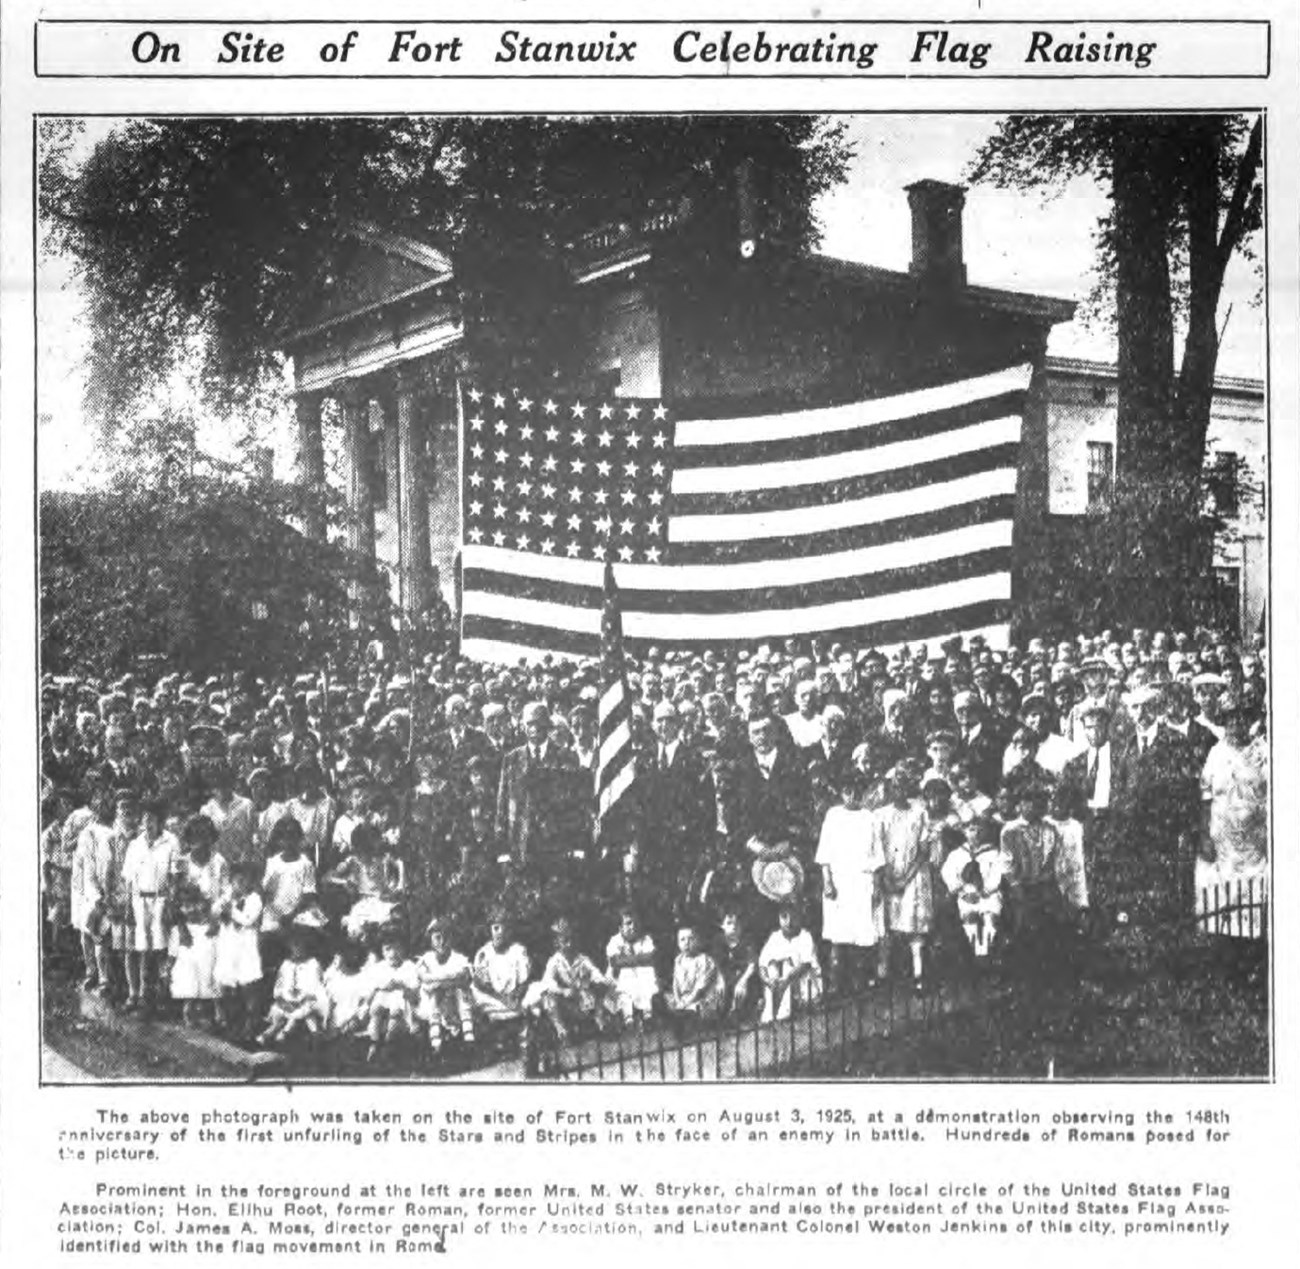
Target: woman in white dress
{"points": [[850, 856], [1232, 870]]}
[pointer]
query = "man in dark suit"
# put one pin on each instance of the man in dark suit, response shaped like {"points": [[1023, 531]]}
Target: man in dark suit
{"points": [[977, 744], [830, 761], [1160, 806], [1091, 785], [678, 813], [770, 805], [453, 748], [537, 811], [1179, 704]]}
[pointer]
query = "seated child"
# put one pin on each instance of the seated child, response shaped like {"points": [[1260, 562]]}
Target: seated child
{"points": [[298, 1003], [499, 975], [446, 1001], [698, 990], [238, 968], [396, 991], [738, 964], [631, 958], [571, 990], [792, 974], [349, 987], [373, 878]]}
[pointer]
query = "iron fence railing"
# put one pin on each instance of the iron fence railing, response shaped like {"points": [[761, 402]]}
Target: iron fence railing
{"points": [[825, 1038]]}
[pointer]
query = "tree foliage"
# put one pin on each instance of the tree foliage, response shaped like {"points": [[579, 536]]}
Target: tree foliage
{"points": [[227, 231], [185, 562], [1186, 197]]}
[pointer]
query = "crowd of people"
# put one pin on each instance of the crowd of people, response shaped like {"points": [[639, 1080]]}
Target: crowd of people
{"points": [[395, 859]]}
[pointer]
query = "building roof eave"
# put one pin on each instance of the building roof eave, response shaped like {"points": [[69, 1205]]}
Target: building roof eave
{"points": [[410, 250], [1046, 308], [1089, 368]]}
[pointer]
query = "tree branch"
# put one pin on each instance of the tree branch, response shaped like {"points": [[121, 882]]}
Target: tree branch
{"points": [[1245, 197]]}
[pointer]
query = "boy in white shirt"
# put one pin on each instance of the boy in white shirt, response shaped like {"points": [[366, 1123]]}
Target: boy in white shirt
{"points": [[698, 990], [147, 873]]}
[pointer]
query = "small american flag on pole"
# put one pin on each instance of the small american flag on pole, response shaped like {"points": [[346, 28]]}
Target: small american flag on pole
{"points": [[882, 521], [615, 759]]}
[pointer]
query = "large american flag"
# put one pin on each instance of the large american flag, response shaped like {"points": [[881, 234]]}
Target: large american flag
{"points": [[879, 522]]}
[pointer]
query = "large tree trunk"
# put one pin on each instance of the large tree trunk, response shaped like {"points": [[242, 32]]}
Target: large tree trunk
{"points": [[1153, 538]]}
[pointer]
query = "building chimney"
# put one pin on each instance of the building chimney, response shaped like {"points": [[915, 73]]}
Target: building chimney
{"points": [[936, 232]]}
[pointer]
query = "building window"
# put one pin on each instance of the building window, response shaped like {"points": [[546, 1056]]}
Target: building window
{"points": [[1224, 483], [1101, 475]]}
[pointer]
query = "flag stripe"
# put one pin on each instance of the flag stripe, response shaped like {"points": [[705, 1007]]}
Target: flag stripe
{"points": [[774, 622], [502, 641], [616, 740], [610, 700], [895, 530], [843, 418], [846, 486], [484, 563], [610, 793], [935, 429], [788, 592], [801, 520]]}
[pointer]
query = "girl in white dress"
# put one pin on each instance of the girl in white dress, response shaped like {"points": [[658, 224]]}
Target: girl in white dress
{"points": [[850, 856], [202, 877], [900, 830], [238, 966]]}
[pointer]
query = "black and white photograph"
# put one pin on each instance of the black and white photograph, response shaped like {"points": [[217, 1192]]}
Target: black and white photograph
{"points": [[653, 598]]}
